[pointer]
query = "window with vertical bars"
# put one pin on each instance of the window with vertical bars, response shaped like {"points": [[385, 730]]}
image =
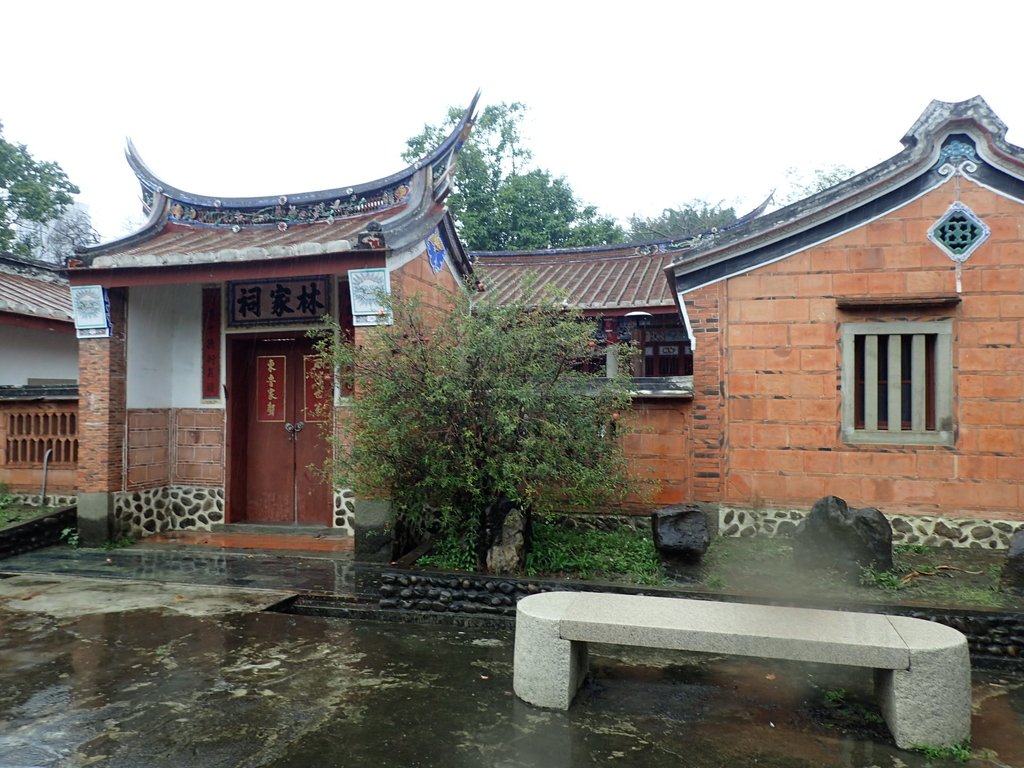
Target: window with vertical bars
{"points": [[897, 382]]}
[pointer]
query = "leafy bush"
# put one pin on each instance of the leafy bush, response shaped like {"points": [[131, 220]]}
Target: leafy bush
{"points": [[456, 411]]}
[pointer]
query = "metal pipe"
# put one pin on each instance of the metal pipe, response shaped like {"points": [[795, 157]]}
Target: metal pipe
{"points": [[46, 467]]}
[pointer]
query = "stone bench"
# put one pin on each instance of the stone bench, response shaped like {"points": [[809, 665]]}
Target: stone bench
{"points": [[922, 669]]}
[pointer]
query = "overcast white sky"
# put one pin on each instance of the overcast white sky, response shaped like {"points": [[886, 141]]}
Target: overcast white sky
{"points": [[640, 105]]}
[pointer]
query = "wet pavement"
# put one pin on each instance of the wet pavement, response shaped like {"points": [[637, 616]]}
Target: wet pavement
{"points": [[305, 572], [194, 672]]}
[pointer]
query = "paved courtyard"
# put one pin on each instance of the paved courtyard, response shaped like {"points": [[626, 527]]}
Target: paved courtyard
{"points": [[128, 673]]}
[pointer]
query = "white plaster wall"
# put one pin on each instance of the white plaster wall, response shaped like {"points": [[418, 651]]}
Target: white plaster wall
{"points": [[28, 353], [165, 346]]}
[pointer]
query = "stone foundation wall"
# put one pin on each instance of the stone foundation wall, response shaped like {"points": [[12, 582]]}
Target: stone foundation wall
{"points": [[144, 512], [52, 499], [345, 510], [928, 530], [35, 534]]}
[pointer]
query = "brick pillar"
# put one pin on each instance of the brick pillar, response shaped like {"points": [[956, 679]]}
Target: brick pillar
{"points": [[101, 425], [708, 429]]}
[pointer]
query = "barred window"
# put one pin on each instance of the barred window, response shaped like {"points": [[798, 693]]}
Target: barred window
{"points": [[897, 383]]}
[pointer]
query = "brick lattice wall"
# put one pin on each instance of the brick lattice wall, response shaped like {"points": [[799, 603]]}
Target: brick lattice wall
{"points": [[783, 361]]}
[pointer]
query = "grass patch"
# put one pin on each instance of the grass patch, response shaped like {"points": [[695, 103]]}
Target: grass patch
{"points": [[449, 554], [563, 552], [586, 554], [890, 581], [11, 515], [119, 543], [960, 752], [846, 713]]}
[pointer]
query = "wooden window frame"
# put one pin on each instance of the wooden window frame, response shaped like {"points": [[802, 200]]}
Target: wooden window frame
{"points": [[921, 392]]}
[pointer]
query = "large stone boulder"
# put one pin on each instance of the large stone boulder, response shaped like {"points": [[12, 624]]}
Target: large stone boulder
{"points": [[681, 532], [1013, 569], [833, 536], [507, 555], [371, 531]]}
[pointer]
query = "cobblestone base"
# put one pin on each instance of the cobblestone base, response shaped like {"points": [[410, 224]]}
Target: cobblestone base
{"points": [[52, 499], [906, 529], [176, 507], [345, 510]]}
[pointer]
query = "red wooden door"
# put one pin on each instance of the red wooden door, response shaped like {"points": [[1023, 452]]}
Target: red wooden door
{"points": [[285, 445]]}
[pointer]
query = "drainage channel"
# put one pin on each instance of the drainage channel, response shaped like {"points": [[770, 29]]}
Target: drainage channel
{"points": [[367, 609]]}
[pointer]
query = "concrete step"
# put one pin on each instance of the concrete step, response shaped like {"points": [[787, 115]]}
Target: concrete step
{"points": [[270, 529]]}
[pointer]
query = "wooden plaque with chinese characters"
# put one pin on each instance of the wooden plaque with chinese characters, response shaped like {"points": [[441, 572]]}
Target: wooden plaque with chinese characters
{"points": [[279, 302]]}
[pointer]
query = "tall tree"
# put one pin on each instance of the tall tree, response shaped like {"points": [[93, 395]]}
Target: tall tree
{"points": [[690, 218], [31, 192], [801, 183], [57, 239], [501, 203]]}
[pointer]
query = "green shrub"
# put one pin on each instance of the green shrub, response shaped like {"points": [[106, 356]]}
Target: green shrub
{"points": [[456, 410], [960, 752]]}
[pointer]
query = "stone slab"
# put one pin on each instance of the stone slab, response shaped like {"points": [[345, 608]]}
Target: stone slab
{"points": [[797, 634], [930, 703], [547, 670]]}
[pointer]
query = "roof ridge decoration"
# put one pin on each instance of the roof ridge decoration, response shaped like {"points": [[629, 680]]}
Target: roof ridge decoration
{"points": [[704, 236], [949, 141], [283, 211], [631, 249]]}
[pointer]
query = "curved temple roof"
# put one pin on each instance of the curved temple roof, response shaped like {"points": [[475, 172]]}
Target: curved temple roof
{"points": [[33, 290], [608, 278], [185, 227]]}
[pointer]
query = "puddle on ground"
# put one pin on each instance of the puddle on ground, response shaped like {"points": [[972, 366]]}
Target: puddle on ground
{"points": [[153, 688]]}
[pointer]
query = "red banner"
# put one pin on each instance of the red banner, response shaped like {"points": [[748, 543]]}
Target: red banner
{"points": [[271, 373], [211, 343], [318, 386]]}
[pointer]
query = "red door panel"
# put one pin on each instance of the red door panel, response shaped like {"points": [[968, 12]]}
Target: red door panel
{"points": [[284, 450]]}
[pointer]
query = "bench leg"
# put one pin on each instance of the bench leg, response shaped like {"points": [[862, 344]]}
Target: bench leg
{"points": [[547, 669], [930, 703]]}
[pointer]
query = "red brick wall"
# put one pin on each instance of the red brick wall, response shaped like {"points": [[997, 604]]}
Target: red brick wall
{"points": [[658, 448], [416, 278], [199, 447], [101, 408], [148, 448], [703, 307], [195, 455], [782, 363]]}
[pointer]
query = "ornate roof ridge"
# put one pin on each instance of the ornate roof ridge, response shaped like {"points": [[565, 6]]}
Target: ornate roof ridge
{"points": [[932, 147], [638, 248], [151, 183], [32, 269], [403, 204]]}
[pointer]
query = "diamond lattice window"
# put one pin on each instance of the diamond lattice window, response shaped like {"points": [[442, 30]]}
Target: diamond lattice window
{"points": [[959, 232]]}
